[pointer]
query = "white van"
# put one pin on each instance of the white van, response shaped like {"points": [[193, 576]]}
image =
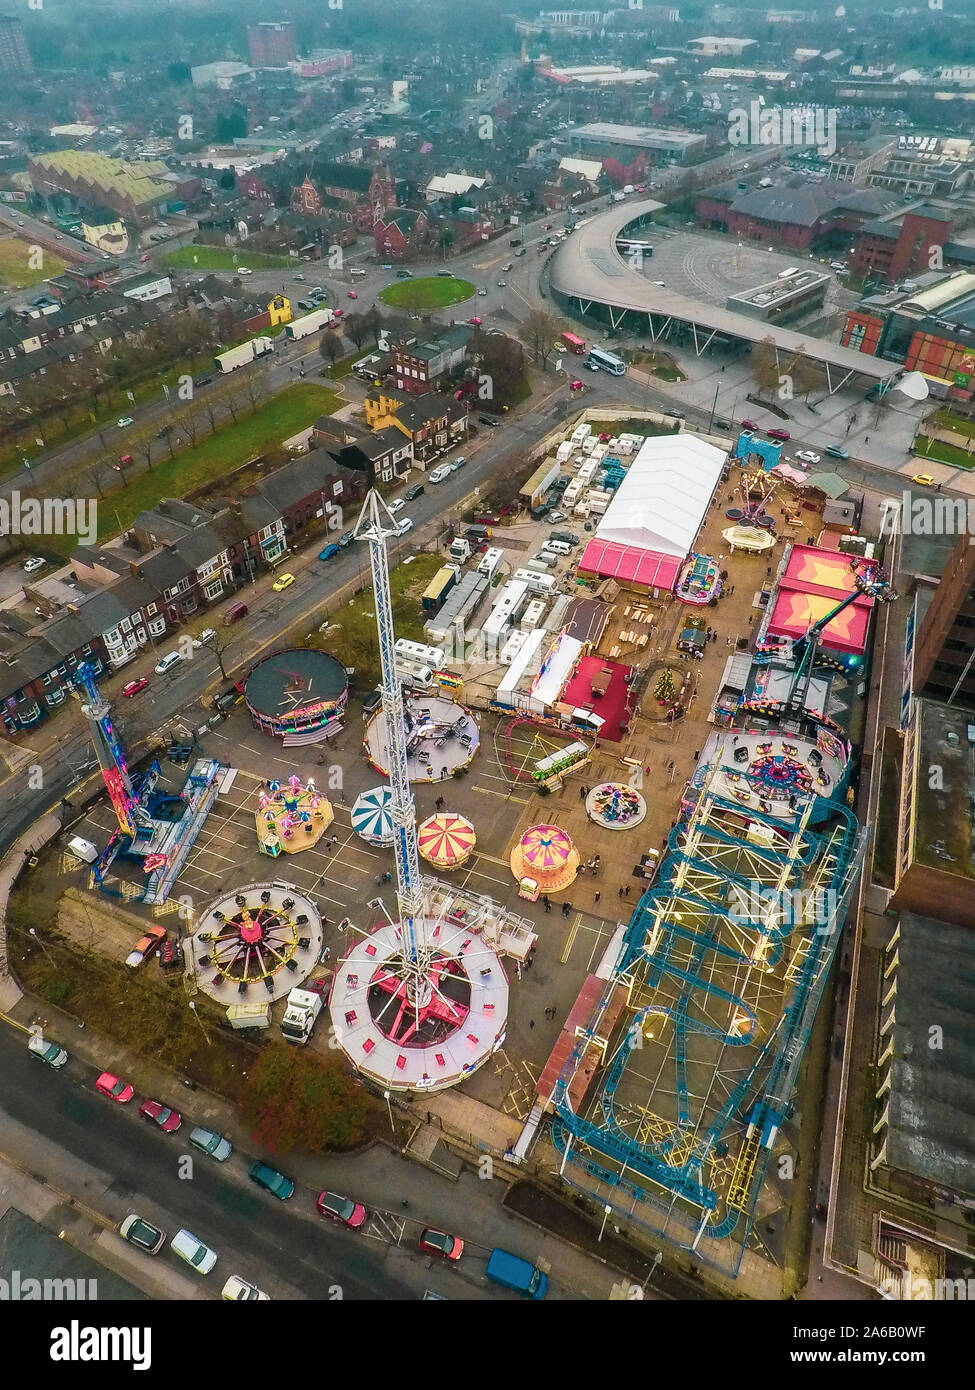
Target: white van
{"points": [[357, 273], [83, 849], [442, 471]]}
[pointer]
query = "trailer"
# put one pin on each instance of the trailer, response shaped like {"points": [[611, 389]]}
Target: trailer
{"points": [[308, 323], [243, 353]]}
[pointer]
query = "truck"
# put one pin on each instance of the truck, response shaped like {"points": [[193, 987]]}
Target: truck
{"points": [[300, 1015], [460, 550], [516, 1274], [252, 1015], [438, 588], [243, 353], [308, 323]]}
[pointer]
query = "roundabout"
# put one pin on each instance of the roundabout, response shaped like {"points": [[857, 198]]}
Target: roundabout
{"points": [[427, 292]]}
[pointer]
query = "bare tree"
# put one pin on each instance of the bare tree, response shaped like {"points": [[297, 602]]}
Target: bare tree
{"points": [[97, 473], [538, 333]]}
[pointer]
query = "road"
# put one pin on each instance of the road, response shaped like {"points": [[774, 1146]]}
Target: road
{"points": [[103, 1155]]}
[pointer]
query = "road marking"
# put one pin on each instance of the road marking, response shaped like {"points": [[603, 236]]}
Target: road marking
{"points": [[570, 939]]}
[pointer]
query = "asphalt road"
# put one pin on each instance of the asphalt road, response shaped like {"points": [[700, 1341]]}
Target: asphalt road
{"points": [[285, 1248]]}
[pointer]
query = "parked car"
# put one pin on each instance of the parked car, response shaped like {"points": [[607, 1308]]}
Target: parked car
{"points": [[458, 463], [341, 1209], [283, 581], [125, 422], [234, 613], [807, 456], [412, 493], [243, 270], [440, 1243], [145, 946], [576, 385], [328, 553], [133, 687], [191, 1249], [555, 518], [114, 1087], [442, 470], [271, 1180], [167, 662], [489, 420], [396, 505], [836, 452], [404, 524], [209, 1142], [34, 562], [47, 1050], [142, 1233], [168, 1120], [783, 435], [237, 1290], [346, 538], [749, 425], [509, 266], [923, 479]]}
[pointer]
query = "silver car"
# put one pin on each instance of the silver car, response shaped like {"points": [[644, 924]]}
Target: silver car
{"points": [[212, 1144]]}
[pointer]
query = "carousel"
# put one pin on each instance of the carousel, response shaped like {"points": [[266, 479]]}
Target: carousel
{"points": [[446, 840], [290, 817], [616, 806], [261, 940], [372, 820], [754, 540], [699, 580], [544, 861]]}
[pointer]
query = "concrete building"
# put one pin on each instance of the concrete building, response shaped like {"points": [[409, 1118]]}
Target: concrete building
{"points": [[271, 44], [225, 77], [135, 191], [628, 141], [781, 301], [15, 59], [713, 47]]}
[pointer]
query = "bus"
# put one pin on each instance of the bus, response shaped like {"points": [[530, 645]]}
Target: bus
{"points": [[573, 342], [606, 362], [629, 244]]}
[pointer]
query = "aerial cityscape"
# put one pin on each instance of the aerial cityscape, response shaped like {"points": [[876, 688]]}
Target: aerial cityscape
{"points": [[487, 657]]}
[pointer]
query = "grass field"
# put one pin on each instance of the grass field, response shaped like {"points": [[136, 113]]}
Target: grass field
{"points": [[15, 268], [928, 448], [431, 292], [291, 411], [219, 258]]}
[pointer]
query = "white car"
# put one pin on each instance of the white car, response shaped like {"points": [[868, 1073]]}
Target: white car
{"points": [[396, 505], [36, 562], [237, 1290], [167, 663], [443, 470], [404, 525], [207, 635], [807, 456], [242, 270], [482, 293], [191, 1249]]}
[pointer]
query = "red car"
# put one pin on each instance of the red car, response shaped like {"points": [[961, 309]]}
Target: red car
{"points": [[341, 1209], [749, 425], [475, 321], [134, 687], [168, 1120], [782, 435], [114, 1088], [440, 1243], [352, 294], [575, 385]]}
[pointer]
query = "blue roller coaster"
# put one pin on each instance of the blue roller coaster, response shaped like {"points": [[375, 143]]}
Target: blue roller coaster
{"points": [[722, 969]]}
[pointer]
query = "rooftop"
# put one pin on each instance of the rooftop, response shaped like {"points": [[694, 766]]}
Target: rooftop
{"points": [[942, 813]]}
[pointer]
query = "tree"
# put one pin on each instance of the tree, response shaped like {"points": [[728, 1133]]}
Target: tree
{"points": [[141, 444], [97, 473], [228, 180], [218, 645], [664, 688], [330, 347], [355, 327], [764, 366], [538, 333], [293, 1099]]}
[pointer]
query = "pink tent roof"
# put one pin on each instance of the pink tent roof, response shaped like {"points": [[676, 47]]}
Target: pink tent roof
{"points": [[611, 560]]}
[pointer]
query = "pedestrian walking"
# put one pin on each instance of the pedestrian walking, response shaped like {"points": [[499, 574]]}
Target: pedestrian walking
{"points": [[439, 803], [582, 868], [596, 897], [582, 793], [626, 891], [548, 905], [528, 962], [531, 1023], [621, 892]]}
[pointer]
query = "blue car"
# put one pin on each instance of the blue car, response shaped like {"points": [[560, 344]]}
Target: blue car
{"points": [[328, 552]]}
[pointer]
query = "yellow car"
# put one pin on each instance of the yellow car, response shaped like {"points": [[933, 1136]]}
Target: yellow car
{"points": [[923, 479], [282, 582]]}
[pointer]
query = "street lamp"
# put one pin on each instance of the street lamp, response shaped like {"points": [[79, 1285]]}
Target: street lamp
{"points": [[607, 1209], [200, 1021], [32, 931], [389, 1110]]}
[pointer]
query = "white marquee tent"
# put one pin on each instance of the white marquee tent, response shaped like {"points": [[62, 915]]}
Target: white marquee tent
{"points": [[664, 497]]}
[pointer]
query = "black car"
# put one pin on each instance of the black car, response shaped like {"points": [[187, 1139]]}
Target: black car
{"points": [[203, 379], [411, 493], [488, 420], [540, 513]]}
